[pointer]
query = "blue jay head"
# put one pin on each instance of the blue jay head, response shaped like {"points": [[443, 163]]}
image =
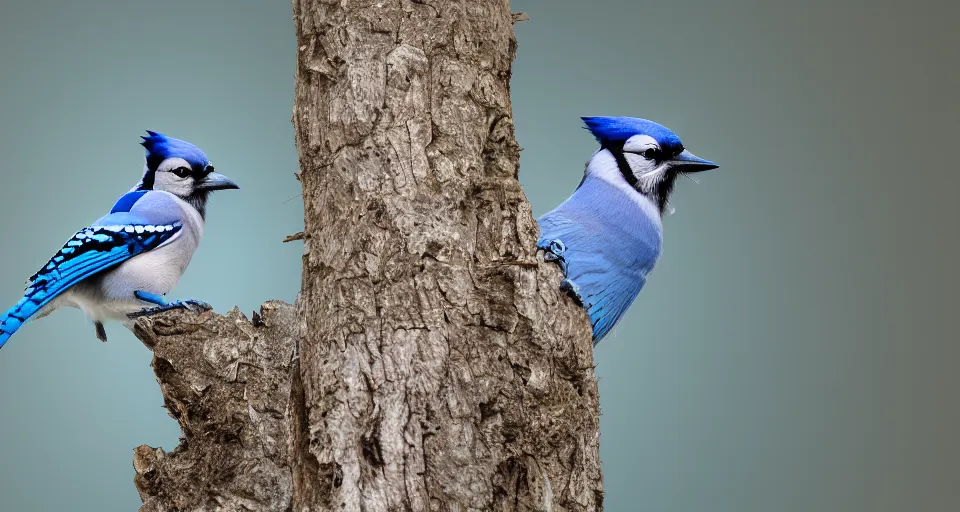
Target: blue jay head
{"points": [[178, 167], [649, 156]]}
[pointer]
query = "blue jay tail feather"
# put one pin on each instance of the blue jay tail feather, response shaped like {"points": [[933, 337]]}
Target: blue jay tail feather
{"points": [[10, 324], [88, 252]]}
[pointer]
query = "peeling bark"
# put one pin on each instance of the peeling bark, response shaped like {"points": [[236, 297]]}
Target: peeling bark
{"points": [[440, 368], [227, 380]]}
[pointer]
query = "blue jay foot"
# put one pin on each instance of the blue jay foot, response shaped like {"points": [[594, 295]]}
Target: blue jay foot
{"points": [[197, 306], [572, 290], [554, 251], [101, 332]]}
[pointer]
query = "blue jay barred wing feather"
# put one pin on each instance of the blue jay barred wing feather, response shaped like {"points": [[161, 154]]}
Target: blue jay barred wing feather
{"points": [[88, 252]]}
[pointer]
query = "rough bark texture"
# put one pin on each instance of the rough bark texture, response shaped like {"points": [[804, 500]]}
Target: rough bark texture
{"points": [[227, 381], [439, 366]]}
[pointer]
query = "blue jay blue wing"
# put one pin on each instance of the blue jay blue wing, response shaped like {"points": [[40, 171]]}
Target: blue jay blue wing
{"points": [[606, 290], [605, 273], [88, 252]]}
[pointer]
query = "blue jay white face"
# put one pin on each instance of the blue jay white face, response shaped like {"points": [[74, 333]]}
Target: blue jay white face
{"points": [[182, 169], [649, 156]]}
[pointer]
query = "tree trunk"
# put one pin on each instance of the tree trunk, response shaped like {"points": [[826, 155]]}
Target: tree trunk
{"points": [[439, 366]]}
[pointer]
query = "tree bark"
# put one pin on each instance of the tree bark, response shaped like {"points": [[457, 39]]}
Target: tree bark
{"points": [[227, 381], [437, 365]]}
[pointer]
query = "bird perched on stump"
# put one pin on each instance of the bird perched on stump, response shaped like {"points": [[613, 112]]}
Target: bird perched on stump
{"points": [[122, 265], [608, 235]]}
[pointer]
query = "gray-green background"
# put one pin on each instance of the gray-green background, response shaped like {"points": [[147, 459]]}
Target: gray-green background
{"points": [[795, 350]]}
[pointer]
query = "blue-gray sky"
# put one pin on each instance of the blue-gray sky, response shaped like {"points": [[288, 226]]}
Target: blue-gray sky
{"points": [[795, 349]]}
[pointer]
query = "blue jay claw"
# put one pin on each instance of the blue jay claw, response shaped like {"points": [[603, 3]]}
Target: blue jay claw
{"points": [[573, 290], [557, 247], [197, 306], [553, 251]]}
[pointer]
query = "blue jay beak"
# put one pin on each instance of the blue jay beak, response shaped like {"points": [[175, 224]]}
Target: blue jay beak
{"points": [[688, 162], [217, 181]]}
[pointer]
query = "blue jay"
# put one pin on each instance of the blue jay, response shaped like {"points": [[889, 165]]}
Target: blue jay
{"points": [[607, 236], [121, 266]]}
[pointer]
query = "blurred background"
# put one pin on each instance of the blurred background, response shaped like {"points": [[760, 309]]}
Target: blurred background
{"points": [[795, 349]]}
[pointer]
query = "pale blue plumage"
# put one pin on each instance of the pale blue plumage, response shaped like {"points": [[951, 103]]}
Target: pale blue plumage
{"points": [[122, 265], [607, 260], [608, 235]]}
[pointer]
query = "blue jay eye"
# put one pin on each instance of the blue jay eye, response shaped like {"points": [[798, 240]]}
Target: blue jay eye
{"points": [[182, 172], [650, 154]]}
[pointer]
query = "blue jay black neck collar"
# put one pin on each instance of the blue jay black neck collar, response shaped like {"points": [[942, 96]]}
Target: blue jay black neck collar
{"points": [[153, 163], [148, 178], [616, 149]]}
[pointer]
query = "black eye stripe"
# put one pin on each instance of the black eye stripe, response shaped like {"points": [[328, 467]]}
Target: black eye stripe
{"points": [[657, 154], [649, 154], [202, 172], [196, 172]]}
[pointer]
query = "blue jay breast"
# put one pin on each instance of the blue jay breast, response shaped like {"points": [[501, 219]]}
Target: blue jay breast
{"points": [[157, 271]]}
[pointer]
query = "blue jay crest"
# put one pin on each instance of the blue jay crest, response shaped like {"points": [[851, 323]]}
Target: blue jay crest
{"points": [[160, 147], [610, 130]]}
